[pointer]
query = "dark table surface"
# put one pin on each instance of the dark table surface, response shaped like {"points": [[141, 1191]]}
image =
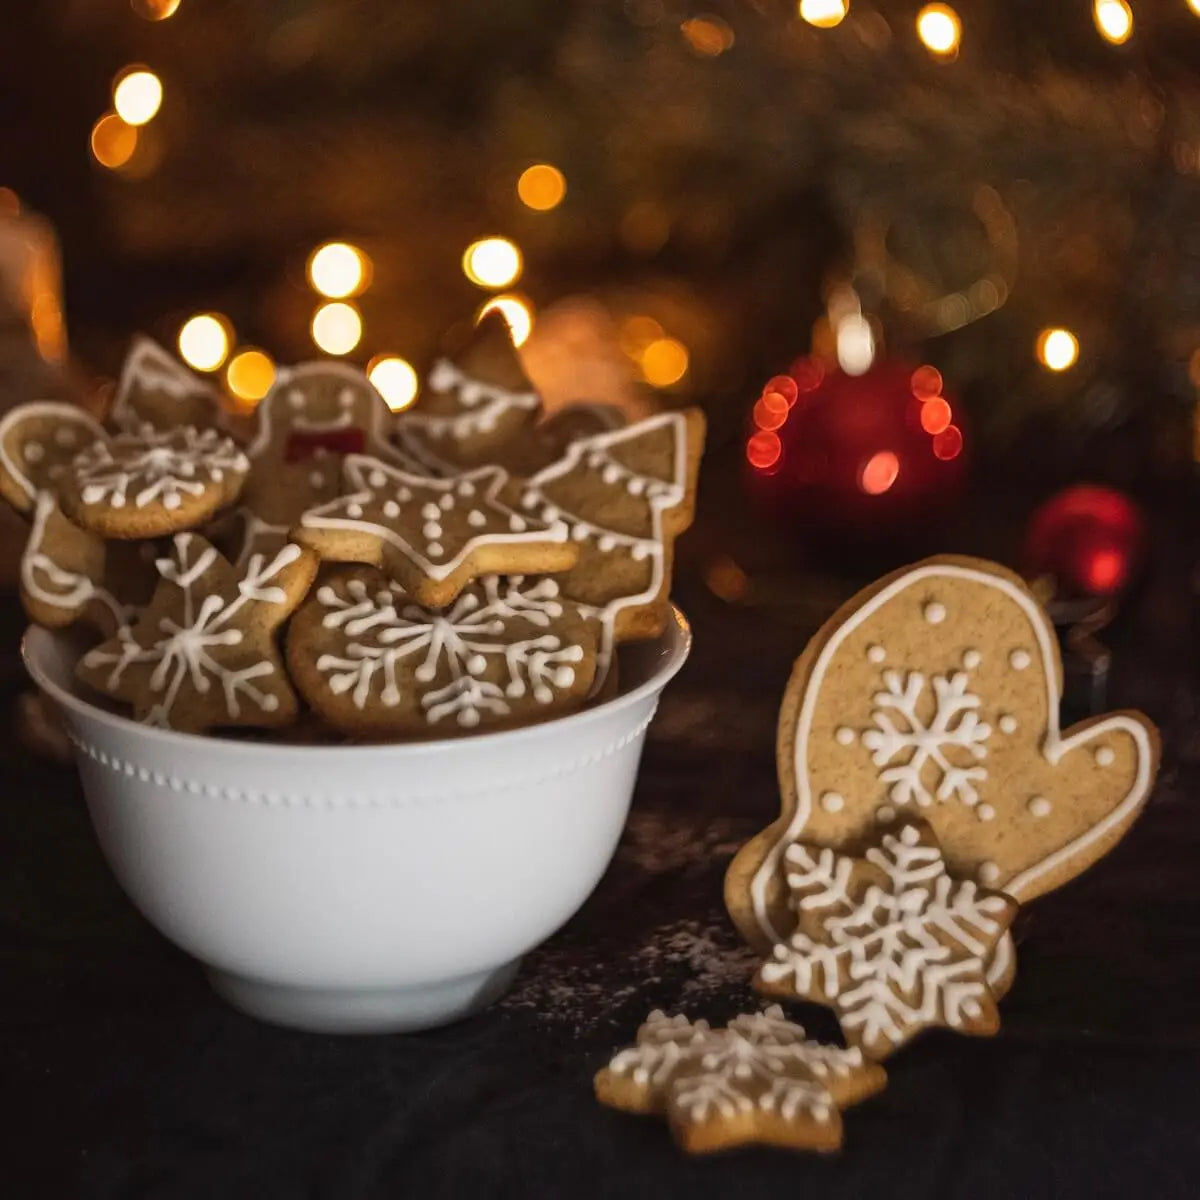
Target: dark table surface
{"points": [[127, 1077]]}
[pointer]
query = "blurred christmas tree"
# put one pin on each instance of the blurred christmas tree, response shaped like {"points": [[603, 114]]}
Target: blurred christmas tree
{"points": [[979, 174]]}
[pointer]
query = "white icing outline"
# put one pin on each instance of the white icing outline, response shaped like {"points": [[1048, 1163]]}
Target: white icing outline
{"points": [[1054, 745], [669, 494], [487, 481], [153, 366], [37, 410]]}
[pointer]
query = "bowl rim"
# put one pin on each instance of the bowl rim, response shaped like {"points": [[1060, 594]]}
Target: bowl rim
{"points": [[676, 640]]}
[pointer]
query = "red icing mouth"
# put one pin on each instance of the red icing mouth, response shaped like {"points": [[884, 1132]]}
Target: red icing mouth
{"points": [[301, 446]]}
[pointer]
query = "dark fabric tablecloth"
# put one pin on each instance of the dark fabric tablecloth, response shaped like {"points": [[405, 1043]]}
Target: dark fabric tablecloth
{"points": [[127, 1077]]}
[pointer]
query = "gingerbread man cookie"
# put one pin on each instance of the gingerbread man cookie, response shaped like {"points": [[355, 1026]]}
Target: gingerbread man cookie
{"points": [[889, 940], [149, 484], [472, 408], [37, 444], [433, 535], [202, 654], [936, 692], [314, 415], [371, 662], [156, 389], [758, 1081]]}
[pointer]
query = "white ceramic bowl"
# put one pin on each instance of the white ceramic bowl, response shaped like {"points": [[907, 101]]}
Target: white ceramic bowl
{"points": [[361, 888]]}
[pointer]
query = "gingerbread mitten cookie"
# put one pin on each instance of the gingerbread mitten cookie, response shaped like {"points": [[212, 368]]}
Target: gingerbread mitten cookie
{"points": [[936, 692], [433, 535], [889, 940], [202, 653], [372, 662], [156, 389], [472, 407], [757, 1081]]}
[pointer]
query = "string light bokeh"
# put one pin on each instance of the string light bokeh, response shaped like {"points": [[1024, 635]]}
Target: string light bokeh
{"points": [[204, 341], [541, 187], [338, 270], [1057, 349], [395, 379], [516, 311], [939, 28], [337, 328], [492, 262], [137, 95]]}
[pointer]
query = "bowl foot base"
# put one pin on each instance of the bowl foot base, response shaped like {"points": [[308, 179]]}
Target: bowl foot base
{"points": [[363, 1010]]}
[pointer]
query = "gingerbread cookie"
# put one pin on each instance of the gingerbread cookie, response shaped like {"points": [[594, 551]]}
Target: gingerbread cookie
{"points": [[758, 1081], [372, 662], [624, 496], [433, 535], [156, 389], [314, 415], [202, 653], [150, 483], [473, 408], [37, 443], [936, 692], [889, 940]]}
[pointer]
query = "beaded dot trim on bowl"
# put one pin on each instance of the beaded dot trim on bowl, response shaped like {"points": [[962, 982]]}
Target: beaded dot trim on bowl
{"points": [[270, 799]]}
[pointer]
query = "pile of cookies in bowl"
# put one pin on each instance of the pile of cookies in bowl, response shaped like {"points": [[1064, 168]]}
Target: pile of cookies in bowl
{"points": [[327, 569]]}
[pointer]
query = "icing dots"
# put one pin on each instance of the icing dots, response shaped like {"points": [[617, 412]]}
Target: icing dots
{"points": [[833, 802], [934, 612], [1039, 806], [971, 659], [1007, 723], [1105, 756], [988, 872], [985, 812], [876, 653], [845, 736], [1019, 660]]}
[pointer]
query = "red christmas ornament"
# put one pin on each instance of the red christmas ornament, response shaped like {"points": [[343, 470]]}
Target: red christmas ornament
{"points": [[861, 454], [1090, 539]]}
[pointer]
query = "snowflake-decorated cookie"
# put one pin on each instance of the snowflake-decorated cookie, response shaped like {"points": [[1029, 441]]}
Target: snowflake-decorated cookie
{"points": [[935, 693], [149, 484], [759, 1080], [202, 654], [624, 496], [890, 940], [372, 662], [156, 389], [433, 535], [314, 415], [473, 406], [37, 443]]}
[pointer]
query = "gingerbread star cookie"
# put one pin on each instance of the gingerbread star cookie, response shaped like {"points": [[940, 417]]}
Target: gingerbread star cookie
{"points": [[758, 1081], [624, 496], [889, 940], [433, 535], [37, 443], [156, 389], [472, 407], [149, 484], [202, 654], [935, 692], [371, 662], [313, 416]]}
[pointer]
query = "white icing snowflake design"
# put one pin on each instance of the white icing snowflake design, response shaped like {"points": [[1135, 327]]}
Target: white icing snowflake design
{"points": [[387, 634], [900, 731], [147, 466], [895, 958], [188, 651], [760, 1061]]}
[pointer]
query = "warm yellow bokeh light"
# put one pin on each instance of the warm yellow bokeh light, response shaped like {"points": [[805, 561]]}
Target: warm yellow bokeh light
{"points": [[493, 262], [664, 362], [541, 187], [250, 374], [204, 341], [113, 142], [155, 10], [939, 28], [1194, 5], [1114, 19], [395, 379], [336, 327], [338, 270], [824, 14], [637, 332], [137, 95], [516, 311], [1057, 349], [707, 35]]}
